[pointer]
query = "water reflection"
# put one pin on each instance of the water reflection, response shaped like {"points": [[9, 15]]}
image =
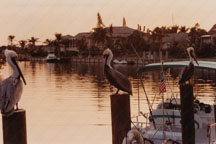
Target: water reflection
{"points": [[69, 103]]}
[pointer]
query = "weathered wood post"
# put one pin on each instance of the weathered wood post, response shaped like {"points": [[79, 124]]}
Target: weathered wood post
{"points": [[14, 128], [120, 114], [187, 114]]}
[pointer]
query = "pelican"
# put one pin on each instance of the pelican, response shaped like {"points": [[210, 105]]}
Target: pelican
{"points": [[115, 78], [11, 88], [188, 71]]}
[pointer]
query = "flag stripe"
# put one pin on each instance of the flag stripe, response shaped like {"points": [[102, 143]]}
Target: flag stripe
{"points": [[162, 85]]}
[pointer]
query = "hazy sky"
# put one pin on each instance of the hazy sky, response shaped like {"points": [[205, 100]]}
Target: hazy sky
{"points": [[43, 18]]}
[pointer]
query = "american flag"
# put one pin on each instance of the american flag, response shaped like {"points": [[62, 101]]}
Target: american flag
{"points": [[162, 84]]}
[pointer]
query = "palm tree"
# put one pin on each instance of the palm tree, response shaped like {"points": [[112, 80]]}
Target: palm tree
{"points": [[32, 44], [10, 39], [100, 22], [174, 29], [136, 39], [195, 37], [22, 43], [48, 42], [156, 36], [110, 38], [183, 29], [99, 35], [57, 43], [33, 41], [195, 33]]}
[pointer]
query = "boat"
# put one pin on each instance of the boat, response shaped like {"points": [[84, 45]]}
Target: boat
{"points": [[51, 58], [116, 61], [163, 123]]}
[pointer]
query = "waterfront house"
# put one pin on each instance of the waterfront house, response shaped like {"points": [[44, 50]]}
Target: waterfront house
{"points": [[210, 38]]}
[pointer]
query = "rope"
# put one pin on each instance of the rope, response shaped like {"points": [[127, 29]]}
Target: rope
{"points": [[149, 105]]}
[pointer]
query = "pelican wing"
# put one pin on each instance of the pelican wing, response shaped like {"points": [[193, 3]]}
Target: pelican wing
{"points": [[11, 90], [186, 73], [1, 96], [3, 93], [119, 80]]}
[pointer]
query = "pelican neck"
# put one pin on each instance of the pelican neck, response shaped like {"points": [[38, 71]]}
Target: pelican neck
{"points": [[15, 73], [108, 60]]}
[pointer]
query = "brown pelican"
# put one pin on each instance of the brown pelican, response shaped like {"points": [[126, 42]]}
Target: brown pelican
{"points": [[115, 78], [188, 71], [11, 88]]}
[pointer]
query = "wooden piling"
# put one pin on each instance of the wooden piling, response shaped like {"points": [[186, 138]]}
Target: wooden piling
{"points": [[215, 116], [14, 128], [120, 114], [187, 114]]}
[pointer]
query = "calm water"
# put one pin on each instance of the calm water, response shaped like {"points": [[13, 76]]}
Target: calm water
{"points": [[70, 103]]}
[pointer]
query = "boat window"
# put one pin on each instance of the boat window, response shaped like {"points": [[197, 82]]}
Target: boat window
{"points": [[171, 106]]}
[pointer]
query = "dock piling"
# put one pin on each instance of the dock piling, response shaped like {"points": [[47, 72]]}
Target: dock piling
{"points": [[187, 114], [14, 128], [120, 114]]}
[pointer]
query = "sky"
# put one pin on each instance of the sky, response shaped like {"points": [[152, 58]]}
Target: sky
{"points": [[43, 18]]}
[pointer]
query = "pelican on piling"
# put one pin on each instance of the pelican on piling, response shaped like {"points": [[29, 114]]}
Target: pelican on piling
{"points": [[188, 71], [11, 88], [117, 79]]}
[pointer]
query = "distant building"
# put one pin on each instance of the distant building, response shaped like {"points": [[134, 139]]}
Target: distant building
{"points": [[206, 39], [69, 44], [122, 31], [210, 38], [117, 32], [212, 30]]}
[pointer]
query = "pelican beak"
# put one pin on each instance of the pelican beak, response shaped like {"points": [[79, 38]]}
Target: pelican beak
{"points": [[20, 72], [194, 57]]}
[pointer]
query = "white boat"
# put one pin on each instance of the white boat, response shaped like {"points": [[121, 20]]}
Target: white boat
{"points": [[51, 58], [168, 123], [115, 61], [164, 123]]}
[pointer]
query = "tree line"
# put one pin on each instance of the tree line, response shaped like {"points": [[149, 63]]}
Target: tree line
{"points": [[142, 39]]}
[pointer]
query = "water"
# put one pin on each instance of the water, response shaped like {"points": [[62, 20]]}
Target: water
{"points": [[70, 103]]}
